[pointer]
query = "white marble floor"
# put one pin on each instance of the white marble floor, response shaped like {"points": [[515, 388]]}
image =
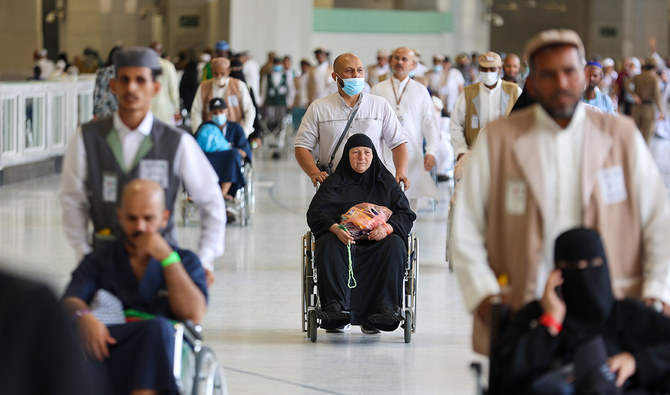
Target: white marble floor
{"points": [[254, 318]]}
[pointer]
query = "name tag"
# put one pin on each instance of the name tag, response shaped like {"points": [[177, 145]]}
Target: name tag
{"points": [[515, 197], [110, 185], [282, 90], [474, 122], [233, 101], [155, 170], [612, 185]]}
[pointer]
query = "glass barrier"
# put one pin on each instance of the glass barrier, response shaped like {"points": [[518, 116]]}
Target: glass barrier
{"points": [[37, 118]]}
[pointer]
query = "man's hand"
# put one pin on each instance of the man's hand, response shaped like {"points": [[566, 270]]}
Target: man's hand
{"points": [[658, 305], [318, 177], [401, 177], [428, 162], [379, 233], [209, 277], [242, 153], [623, 364], [483, 311], [154, 244], [95, 336], [342, 234]]}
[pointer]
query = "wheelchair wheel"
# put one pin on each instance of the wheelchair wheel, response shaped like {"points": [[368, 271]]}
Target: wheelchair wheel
{"points": [[312, 326], [307, 279], [408, 325], [208, 380]]}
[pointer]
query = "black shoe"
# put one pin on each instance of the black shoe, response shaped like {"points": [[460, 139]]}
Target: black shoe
{"points": [[442, 178], [230, 218], [333, 316], [387, 316], [369, 329]]}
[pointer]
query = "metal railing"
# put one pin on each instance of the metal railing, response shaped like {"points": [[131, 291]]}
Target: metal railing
{"points": [[37, 118]]}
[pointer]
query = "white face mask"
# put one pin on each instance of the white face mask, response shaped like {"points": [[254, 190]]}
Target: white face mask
{"points": [[221, 81], [488, 78]]}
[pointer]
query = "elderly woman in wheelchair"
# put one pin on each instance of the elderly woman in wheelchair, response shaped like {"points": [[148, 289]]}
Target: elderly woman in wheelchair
{"points": [[124, 297], [360, 251]]}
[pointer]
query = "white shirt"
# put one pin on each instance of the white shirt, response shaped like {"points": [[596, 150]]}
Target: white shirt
{"points": [[561, 167], [326, 118], [248, 108], [276, 81], [416, 113], [252, 75], [190, 165], [449, 88], [490, 101], [323, 82], [166, 103]]}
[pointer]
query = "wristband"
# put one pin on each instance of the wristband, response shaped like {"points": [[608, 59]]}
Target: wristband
{"points": [[548, 321], [170, 259], [79, 313]]}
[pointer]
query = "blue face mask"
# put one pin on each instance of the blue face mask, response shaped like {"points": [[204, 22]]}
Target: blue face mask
{"points": [[353, 86], [411, 73], [438, 68], [277, 67], [219, 119]]}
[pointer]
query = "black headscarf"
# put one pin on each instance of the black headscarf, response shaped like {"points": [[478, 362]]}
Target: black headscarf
{"points": [[346, 188], [588, 291]]}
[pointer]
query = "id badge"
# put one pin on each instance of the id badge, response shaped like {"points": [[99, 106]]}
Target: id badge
{"points": [[474, 122], [612, 185], [110, 187], [233, 101], [155, 170], [282, 90], [515, 197]]}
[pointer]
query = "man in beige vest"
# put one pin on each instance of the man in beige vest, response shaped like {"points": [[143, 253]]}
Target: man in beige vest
{"points": [[481, 103], [554, 166], [235, 92]]}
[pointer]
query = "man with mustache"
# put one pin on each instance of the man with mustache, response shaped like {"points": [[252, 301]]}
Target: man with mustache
{"points": [[123, 296], [550, 167], [104, 155]]}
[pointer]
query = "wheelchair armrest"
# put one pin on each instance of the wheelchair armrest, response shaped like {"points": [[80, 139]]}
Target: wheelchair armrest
{"points": [[192, 330]]}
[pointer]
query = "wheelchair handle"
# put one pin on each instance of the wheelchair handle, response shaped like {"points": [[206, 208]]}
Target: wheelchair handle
{"points": [[193, 329]]}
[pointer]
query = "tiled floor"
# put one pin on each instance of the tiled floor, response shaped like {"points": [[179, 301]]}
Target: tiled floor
{"points": [[254, 319]]}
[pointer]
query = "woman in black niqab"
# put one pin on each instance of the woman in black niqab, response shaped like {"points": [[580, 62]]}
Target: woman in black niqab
{"points": [[378, 265]]}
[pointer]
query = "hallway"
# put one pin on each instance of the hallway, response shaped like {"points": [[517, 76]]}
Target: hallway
{"points": [[254, 323]]}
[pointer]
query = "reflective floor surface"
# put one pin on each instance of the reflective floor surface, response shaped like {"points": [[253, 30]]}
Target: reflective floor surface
{"points": [[254, 318]]}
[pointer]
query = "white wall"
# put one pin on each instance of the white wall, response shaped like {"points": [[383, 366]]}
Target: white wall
{"points": [[282, 25], [286, 26], [20, 35]]}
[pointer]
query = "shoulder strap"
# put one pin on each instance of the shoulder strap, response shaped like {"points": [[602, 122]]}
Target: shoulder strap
{"points": [[339, 141]]}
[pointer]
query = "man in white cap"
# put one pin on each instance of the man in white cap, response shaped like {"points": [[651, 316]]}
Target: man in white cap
{"points": [[554, 166], [106, 154], [609, 78], [235, 92], [379, 71], [319, 82], [414, 108], [481, 103]]}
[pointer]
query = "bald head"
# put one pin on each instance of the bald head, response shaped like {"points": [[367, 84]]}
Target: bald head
{"points": [[511, 66], [344, 60], [145, 191]]}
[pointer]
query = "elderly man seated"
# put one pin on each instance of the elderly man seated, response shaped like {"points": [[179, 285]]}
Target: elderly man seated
{"points": [[141, 275]]}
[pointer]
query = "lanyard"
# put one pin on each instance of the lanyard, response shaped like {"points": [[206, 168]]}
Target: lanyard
{"points": [[397, 99]]}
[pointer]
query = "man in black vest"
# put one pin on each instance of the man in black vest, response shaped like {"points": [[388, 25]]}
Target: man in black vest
{"points": [[104, 155]]}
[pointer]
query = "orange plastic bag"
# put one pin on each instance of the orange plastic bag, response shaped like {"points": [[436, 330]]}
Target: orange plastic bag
{"points": [[362, 218]]}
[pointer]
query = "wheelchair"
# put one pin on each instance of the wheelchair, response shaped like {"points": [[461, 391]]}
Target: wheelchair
{"points": [[276, 128], [197, 371], [242, 206], [310, 296]]}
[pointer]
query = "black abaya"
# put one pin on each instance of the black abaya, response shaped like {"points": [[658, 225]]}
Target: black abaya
{"points": [[378, 266]]}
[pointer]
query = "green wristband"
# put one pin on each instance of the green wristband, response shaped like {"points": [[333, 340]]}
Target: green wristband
{"points": [[172, 258]]}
